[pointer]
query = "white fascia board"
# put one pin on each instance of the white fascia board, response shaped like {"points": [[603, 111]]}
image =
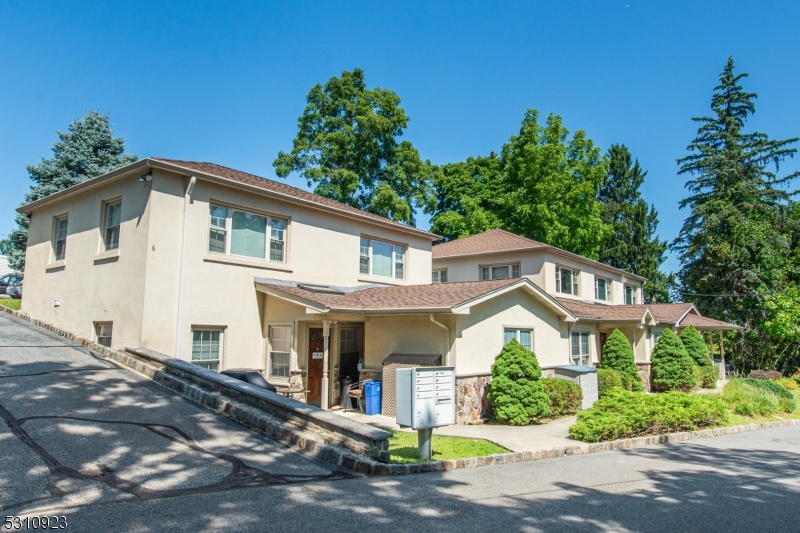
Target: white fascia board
{"points": [[299, 300]]}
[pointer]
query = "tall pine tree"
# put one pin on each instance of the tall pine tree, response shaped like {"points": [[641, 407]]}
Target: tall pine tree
{"points": [[734, 245], [633, 244], [87, 149]]}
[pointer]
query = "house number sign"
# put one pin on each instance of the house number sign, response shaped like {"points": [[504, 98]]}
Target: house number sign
{"points": [[316, 355]]}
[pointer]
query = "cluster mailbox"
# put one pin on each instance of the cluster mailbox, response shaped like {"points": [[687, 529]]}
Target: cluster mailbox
{"points": [[426, 396]]}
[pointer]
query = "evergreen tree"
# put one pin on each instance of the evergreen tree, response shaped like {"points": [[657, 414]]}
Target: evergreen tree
{"points": [[735, 244], [633, 244], [672, 368], [466, 197], [516, 393], [550, 186], [698, 351], [347, 146], [618, 355], [87, 149]]}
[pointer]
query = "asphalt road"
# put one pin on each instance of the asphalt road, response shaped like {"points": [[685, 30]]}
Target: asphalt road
{"points": [[112, 452]]}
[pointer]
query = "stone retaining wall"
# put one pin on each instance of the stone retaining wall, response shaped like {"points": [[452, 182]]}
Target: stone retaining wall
{"points": [[471, 402]]}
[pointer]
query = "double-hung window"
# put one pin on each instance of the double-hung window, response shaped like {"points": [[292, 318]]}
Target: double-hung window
{"points": [[60, 242], [439, 276], [522, 336], [580, 348], [112, 218], [499, 272], [602, 289], [236, 232], [377, 258], [630, 295], [567, 280], [206, 347], [280, 350]]}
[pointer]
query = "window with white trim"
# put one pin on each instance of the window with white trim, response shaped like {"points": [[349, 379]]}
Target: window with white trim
{"points": [[581, 353], [499, 272], [567, 280], [630, 294], [280, 350], [602, 289], [60, 240], [103, 333], [378, 258], [207, 347], [522, 336], [439, 276], [112, 217], [656, 336], [236, 232]]}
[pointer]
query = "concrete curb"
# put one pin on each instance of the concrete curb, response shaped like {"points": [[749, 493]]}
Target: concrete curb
{"points": [[309, 441]]}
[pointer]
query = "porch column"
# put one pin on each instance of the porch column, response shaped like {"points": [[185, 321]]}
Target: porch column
{"points": [[326, 332], [722, 352]]}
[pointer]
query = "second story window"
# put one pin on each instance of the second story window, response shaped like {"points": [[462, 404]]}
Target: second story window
{"points": [[602, 289], [112, 219], [236, 232], [566, 280], [60, 241], [383, 259], [499, 272], [439, 276], [630, 295]]}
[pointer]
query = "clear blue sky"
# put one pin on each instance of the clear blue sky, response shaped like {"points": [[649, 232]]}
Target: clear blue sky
{"points": [[226, 81]]}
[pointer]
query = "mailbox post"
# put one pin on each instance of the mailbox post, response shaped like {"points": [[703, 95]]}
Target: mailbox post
{"points": [[426, 398]]}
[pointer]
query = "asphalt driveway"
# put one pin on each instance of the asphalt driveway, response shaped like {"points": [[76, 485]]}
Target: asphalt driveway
{"points": [[77, 430]]}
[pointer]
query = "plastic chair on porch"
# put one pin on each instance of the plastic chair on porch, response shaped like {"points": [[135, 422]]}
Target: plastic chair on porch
{"points": [[356, 391]]}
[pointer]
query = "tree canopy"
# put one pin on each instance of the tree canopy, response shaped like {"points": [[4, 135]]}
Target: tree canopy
{"points": [[735, 245], [347, 147], [632, 243], [87, 149]]}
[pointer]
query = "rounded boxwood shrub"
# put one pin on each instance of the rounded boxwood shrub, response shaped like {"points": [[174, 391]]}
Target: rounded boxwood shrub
{"points": [[764, 374], [607, 380], [565, 396], [516, 392], [672, 366], [698, 351], [622, 414], [618, 355]]}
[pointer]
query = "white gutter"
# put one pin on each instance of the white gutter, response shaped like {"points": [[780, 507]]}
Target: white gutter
{"points": [[182, 280], [447, 347]]}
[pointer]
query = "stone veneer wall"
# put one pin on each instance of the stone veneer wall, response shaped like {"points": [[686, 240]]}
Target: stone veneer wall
{"points": [[644, 373]]}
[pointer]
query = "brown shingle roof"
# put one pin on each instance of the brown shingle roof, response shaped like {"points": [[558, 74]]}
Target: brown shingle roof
{"points": [[496, 240], [670, 313], [589, 311], [703, 322], [282, 189], [437, 295]]}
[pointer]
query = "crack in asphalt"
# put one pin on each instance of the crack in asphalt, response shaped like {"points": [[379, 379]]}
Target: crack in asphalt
{"points": [[242, 476], [88, 369]]}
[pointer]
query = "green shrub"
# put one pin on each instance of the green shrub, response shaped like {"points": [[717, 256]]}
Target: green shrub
{"points": [[764, 374], [672, 366], [515, 391], [622, 414], [698, 374], [618, 355], [758, 397], [607, 380], [787, 383], [565, 396], [698, 351]]}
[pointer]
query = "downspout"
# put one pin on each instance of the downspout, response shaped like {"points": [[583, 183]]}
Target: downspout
{"points": [[447, 347], [187, 198]]}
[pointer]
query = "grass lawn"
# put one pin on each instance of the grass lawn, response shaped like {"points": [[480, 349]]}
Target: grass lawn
{"points": [[403, 447], [13, 303]]}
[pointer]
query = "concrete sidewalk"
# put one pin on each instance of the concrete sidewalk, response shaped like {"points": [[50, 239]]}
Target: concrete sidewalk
{"points": [[515, 438]]}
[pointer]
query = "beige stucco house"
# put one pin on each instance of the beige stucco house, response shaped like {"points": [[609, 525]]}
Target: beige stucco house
{"points": [[230, 270]]}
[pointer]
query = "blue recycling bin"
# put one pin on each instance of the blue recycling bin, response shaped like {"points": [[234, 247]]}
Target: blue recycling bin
{"points": [[372, 395]]}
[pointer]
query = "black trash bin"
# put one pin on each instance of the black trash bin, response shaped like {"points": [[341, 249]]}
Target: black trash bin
{"points": [[344, 382]]}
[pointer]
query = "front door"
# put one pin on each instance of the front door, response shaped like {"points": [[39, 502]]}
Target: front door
{"points": [[316, 347]]}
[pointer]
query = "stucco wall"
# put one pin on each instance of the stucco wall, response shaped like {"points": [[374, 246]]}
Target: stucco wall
{"points": [[480, 334], [90, 285]]}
